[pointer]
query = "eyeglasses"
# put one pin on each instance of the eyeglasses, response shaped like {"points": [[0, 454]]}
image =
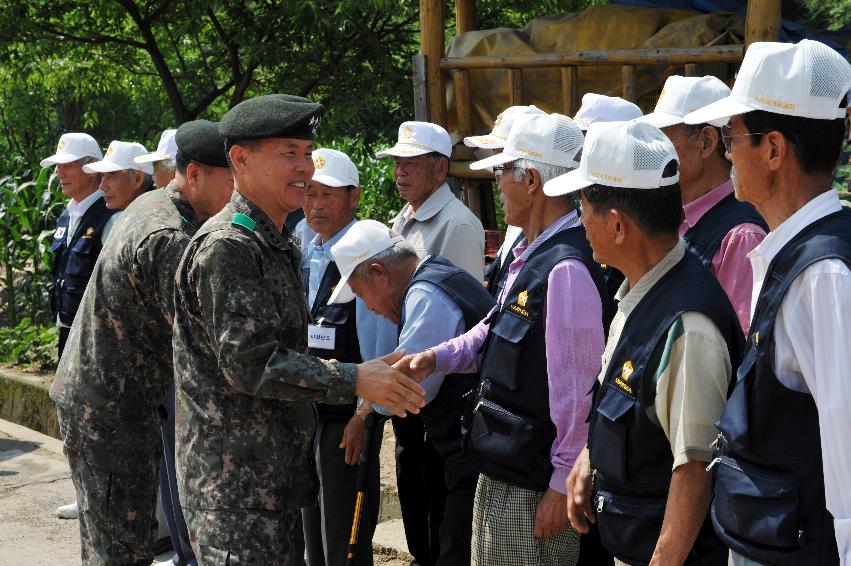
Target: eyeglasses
{"points": [[500, 170], [727, 136]]}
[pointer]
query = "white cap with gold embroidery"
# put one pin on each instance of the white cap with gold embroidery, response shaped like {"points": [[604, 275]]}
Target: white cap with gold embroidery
{"points": [[547, 138], [419, 138], [501, 128], [119, 156], [334, 169], [630, 155], [363, 240], [682, 95], [807, 79], [72, 147]]}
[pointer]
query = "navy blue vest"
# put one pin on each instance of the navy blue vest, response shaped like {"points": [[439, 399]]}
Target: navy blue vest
{"points": [[442, 416], [704, 238], [74, 259], [630, 454], [499, 271], [509, 433], [342, 318], [769, 502]]}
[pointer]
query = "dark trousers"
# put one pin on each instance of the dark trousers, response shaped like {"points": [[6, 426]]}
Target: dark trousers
{"points": [[169, 498], [456, 529], [328, 525], [422, 488], [64, 331]]}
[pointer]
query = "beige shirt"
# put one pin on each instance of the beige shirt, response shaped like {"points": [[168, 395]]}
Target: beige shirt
{"points": [[442, 225], [693, 372]]}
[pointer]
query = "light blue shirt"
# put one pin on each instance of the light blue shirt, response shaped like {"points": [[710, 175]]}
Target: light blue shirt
{"points": [[429, 317], [376, 334], [316, 257]]}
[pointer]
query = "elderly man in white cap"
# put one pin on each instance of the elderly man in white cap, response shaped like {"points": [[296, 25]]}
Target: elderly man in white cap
{"points": [[429, 300], [162, 159], [601, 108], [434, 222], [537, 354], [718, 228], [330, 201], [123, 179], [78, 239], [670, 354], [490, 144], [782, 488]]}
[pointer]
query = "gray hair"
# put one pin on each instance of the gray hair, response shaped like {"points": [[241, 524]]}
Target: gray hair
{"points": [[167, 165], [545, 170], [397, 252]]}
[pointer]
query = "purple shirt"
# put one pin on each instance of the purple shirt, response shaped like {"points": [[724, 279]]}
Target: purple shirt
{"points": [[730, 264], [573, 331]]}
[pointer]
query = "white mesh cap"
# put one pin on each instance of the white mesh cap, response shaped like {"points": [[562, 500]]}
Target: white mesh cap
{"points": [[121, 155], [683, 95], [601, 108], [363, 240], [334, 169], [72, 147], [166, 149], [629, 155], [419, 138], [807, 79], [501, 128], [547, 138]]}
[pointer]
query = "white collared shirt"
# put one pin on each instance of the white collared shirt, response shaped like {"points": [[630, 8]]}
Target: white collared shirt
{"points": [[76, 210], [812, 353]]}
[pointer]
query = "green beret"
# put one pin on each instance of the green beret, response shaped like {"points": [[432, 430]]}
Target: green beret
{"points": [[271, 116], [201, 142]]}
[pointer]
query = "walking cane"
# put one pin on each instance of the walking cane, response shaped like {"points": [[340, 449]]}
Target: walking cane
{"points": [[368, 452]]}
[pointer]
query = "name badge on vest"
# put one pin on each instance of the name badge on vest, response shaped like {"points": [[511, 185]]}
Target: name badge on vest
{"points": [[60, 232], [321, 337]]}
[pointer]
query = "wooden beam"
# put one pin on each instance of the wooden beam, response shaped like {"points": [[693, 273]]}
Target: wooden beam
{"points": [[465, 16], [692, 69], [462, 169], [628, 78], [661, 56], [763, 21], [463, 102], [432, 45], [515, 87], [418, 68], [569, 90]]}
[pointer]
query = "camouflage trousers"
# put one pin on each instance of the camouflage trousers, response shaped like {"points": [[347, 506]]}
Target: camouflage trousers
{"points": [[117, 512], [238, 537]]}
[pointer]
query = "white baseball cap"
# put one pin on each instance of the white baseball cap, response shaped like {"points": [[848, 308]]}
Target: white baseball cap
{"points": [[548, 138], [166, 149], [620, 154], [501, 128], [683, 95], [72, 147], [119, 156], [334, 169], [807, 79], [363, 240], [601, 108], [419, 138]]}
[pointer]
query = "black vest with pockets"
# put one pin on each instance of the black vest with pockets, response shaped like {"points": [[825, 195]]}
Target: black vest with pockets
{"points": [[74, 259], [769, 501], [442, 416], [704, 238], [499, 272], [340, 317], [630, 454], [509, 432]]}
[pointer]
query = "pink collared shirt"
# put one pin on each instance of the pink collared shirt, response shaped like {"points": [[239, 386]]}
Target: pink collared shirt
{"points": [[730, 264]]}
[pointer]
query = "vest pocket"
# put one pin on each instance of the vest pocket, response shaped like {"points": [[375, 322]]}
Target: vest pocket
{"points": [[757, 505], [629, 526], [502, 356], [609, 433]]}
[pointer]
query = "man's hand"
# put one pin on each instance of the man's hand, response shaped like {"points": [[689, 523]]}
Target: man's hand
{"points": [[417, 366], [353, 436], [579, 509], [380, 384], [550, 517]]}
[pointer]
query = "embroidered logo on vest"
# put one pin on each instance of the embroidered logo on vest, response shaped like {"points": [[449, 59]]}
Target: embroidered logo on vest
{"points": [[89, 233], [522, 298]]}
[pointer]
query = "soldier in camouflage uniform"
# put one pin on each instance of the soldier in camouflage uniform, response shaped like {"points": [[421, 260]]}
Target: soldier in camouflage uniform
{"points": [[117, 363], [245, 423]]}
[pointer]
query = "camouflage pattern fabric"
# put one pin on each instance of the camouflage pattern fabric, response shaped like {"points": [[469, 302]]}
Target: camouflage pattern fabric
{"points": [[270, 540], [115, 372], [244, 420]]}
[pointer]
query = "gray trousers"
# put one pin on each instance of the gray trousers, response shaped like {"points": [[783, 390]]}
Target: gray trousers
{"points": [[328, 525]]}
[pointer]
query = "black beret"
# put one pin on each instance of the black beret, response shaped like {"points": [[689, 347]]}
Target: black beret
{"points": [[271, 116], [201, 142]]}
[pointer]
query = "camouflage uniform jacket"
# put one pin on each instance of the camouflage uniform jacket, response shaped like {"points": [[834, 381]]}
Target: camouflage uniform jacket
{"points": [[244, 420], [117, 364]]}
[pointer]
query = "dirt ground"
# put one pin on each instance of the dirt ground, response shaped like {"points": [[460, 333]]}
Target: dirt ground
{"points": [[34, 480]]}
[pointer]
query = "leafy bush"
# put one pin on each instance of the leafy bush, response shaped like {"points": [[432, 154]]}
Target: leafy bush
{"points": [[30, 345]]}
